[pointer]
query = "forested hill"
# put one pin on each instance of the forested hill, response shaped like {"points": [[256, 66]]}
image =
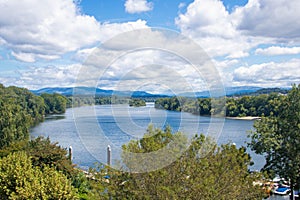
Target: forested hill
{"points": [[262, 91], [20, 109], [33, 168]]}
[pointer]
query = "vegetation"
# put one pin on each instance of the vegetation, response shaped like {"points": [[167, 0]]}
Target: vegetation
{"points": [[278, 138], [19, 179], [39, 169], [20, 109], [54, 103], [261, 105], [76, 101], [137, 102], [34, 169], [204, 171]]}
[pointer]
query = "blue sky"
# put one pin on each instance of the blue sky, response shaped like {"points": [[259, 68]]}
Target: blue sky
{"points": [[62, 43]]}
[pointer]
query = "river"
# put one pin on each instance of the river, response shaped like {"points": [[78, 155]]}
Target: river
{"points": [[90, 129]]}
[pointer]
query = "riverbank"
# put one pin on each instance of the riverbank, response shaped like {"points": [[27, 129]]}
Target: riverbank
{"points": [[244, 118]]}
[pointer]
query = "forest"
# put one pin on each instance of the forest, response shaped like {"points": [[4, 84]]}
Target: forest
{"points": [[256, 106], [137, 102]]}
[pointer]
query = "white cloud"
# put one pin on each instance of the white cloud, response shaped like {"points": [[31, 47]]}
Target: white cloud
{"points": [[207, 18], [110, 30], [138, 6], [233, 34], [225, 63], [148, 58], [47, 29], [181, 5], [276, 50], [47, 76], [277, 19], [269, 74], [209, 23], [150, 69]]}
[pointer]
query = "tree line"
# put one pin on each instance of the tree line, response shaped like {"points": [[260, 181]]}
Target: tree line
{"points": [[83, 100], [261, 105], [137, 102]]}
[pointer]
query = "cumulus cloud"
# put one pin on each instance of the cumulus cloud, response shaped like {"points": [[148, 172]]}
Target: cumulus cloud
{"points": [[269, 74], [277, 50], [35, 77], [152, 61], [234, 34], [138, 6], [47, 29], [277, 19], [154, 58], [211, 25]]}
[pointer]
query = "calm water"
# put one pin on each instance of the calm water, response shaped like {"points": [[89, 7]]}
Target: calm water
{"points": [[90, 129]]}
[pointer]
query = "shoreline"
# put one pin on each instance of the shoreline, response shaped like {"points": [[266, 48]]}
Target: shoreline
{"points": [[244, 118]]}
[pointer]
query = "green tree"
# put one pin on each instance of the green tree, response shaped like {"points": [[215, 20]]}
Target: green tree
{"points": [[54, 103], [20, 180], [203, 171], [137, 102], [45, 153], [14, 123], [278, 138]]}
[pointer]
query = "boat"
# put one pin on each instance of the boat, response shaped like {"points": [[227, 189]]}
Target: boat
{"points": [[282, 190]]}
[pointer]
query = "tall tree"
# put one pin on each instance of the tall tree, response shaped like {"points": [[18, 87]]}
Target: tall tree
{"points": [[14, 123], [204, 171], [278, 138]]}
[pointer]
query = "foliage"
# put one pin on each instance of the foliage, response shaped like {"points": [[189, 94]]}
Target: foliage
{"points": [[137, 102], [44, 153], [278, 138], [82, 100], [19, 110], [261, 105], [54, 103], [20, 180], [204, 171]]}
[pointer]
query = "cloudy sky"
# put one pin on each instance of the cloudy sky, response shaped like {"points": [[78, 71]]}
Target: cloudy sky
{"points": [[152, 45]]}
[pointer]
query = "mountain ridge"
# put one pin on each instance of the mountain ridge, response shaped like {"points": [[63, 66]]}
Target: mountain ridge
{"points": [[230, 91]]}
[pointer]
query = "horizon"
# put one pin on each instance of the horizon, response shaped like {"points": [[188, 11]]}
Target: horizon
{"points": [[113, 45]]}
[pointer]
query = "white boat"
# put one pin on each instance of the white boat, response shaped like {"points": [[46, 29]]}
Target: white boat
{"points": [[282, 190]]}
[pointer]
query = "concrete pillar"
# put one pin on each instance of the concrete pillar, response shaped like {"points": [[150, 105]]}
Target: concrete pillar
{"points": [[108, 155], [70, 153]]}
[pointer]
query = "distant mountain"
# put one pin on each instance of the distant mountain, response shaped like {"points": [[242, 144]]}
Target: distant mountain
{"points": [[241, 90], [271, 90], [68, 91], [230, 91]]}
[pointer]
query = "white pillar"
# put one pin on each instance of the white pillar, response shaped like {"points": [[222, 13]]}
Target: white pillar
{"points": [[70, 153], [108, 155]]}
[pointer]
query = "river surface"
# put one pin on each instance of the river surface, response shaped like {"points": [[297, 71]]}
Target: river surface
{"points": [[90, 129]]}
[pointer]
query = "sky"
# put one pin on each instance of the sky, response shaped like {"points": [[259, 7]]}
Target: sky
{"points": [[159, 46]]}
